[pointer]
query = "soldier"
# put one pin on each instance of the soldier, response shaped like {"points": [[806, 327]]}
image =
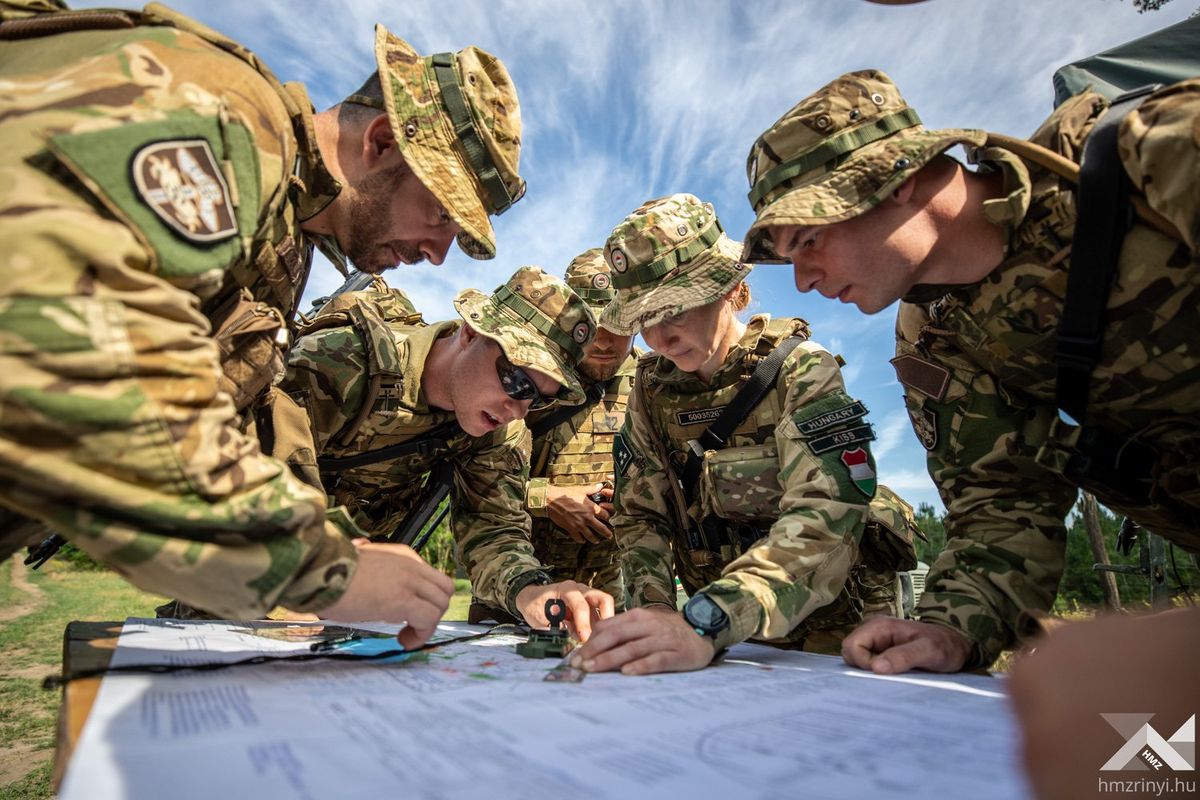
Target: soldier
{"points": [[769, 529], [870, 209], [390, 402], [159, 184], [572, 455]]}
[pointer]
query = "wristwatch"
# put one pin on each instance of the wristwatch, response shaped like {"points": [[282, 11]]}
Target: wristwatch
{"points": [[705, 616]]}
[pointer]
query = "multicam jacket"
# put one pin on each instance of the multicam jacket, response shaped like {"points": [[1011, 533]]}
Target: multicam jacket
{"points": [[797, 474], [578, 452], [154, 177], [976, 362], [333, 374]]}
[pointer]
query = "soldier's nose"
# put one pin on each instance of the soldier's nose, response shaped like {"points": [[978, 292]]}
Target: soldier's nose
{"points": [[806, 277], [435, 250]]}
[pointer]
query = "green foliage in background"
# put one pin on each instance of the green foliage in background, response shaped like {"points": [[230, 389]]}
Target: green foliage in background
{"points": [[1080, 585]]}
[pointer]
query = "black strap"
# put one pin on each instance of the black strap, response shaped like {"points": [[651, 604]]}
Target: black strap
{"points": [[416, 529], [426, 443], [549, 422], [1104, 216], [747, 397]]}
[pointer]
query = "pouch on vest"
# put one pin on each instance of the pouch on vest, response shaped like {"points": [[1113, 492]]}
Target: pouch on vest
{"points": [[252, 338], [889, 538], [741, 484], [284, 433]]}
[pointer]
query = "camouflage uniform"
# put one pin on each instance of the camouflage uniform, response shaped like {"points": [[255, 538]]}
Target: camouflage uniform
{"points": [[976, 360], [361, 385], [155, 179], [578, 452], [780, 531]]}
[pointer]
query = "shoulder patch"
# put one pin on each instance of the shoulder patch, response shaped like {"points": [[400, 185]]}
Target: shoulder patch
{"points": [[622, 454], [823, 414], [189, 184], [181, 182], [925, 424], [697, 416], [862, 469], [927, 377], [845, 438]]}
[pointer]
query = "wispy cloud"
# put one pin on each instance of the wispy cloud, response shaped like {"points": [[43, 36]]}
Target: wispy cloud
{"points": [[628, 99]]}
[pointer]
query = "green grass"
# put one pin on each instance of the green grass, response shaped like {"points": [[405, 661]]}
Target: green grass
{"points": [[32, 645]]}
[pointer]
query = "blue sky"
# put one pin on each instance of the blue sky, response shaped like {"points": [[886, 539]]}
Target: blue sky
{"points": [[625, 101]]}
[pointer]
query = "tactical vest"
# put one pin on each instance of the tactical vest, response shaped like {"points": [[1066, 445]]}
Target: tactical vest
{"points": [[375, 315], [379, 495], [731, 519], [253, 310], [577, 452], [586, 455]]}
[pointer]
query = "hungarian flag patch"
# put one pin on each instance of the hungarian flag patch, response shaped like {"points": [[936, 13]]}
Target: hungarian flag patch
{"points": [[862, 474]]}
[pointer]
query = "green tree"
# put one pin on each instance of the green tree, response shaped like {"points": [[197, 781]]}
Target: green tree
{"points": [[1080, 585], [933, 526]]}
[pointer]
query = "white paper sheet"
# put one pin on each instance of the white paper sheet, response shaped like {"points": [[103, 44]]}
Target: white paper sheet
{"points": [[476, 720]]}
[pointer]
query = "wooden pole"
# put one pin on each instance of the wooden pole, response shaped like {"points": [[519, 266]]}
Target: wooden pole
{"points": [[1091, 521]]}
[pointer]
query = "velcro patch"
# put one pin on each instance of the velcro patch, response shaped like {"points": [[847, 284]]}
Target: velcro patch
{"points": [[828, 419], [698, 416], [926, 377], [925, 423], [842, 439], [622, 454], [183, 184]]}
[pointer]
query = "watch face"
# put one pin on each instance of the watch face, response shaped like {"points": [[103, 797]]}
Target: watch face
{"points": [[704, 613]]}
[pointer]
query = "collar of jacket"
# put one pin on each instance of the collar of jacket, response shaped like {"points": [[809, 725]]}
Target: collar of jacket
{"points": [[413, 352]]}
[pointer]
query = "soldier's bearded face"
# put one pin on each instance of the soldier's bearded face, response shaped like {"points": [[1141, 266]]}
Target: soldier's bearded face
{"points": [[692, 340], [480, 404], [604, 356], [871, 260], [394, 219]]}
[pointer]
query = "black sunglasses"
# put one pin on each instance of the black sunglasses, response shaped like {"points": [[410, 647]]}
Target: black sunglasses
{"points": [[517, 384]]}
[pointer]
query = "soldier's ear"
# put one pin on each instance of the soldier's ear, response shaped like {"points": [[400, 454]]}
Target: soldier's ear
{"points": [[378, 142], [904, 192], [466, 335]]}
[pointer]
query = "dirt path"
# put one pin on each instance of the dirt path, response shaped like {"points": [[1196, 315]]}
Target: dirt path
{"points": [[33, 595], [18, 760]]}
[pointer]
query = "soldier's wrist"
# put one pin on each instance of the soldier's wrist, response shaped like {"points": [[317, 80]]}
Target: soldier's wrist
{"points": [[537, 497], [523, 581]]}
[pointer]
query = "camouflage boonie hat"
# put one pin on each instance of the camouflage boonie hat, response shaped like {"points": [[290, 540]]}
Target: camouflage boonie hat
{"points": [[457, 123], [538, 321], [591, 278], [668, 257], [835, 154]]}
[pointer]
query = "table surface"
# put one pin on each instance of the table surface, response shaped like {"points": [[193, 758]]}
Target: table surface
{"points": [[86, 645]]}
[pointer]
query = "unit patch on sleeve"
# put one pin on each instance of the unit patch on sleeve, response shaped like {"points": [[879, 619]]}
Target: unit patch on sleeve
{"points": [[819, 416], [182, 183], [841, 439], [622, 454], [926, 377], [862, 470]]}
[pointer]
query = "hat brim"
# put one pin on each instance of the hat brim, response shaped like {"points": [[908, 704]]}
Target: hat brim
{"points": [[854, 187], [520, 346], [703, 280], [431, 151]]}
